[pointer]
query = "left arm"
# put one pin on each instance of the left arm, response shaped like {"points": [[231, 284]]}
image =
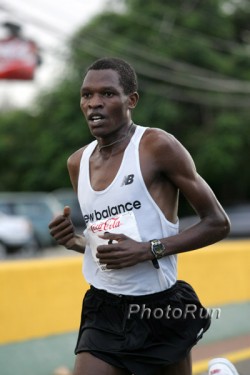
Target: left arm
{"points": [[180, 173], [180, 169]]}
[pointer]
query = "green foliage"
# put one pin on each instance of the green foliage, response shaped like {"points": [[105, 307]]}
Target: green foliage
{"points": [[34, 149], [220, 155], [192, 60]]}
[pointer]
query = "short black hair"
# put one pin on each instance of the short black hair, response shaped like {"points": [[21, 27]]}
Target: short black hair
{"points": [[127, 74]]}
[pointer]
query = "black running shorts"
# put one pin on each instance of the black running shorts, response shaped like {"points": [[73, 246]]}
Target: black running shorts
{"points": [[142, 333]]}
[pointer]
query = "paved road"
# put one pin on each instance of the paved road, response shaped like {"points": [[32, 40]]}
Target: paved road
{"points": [[236, 349]]}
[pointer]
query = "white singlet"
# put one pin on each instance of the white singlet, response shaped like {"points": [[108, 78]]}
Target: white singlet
{"points": [[127, 207]]}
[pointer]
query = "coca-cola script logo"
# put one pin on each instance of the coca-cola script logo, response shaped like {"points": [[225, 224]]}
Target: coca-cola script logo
{"points": [[106, 225]]}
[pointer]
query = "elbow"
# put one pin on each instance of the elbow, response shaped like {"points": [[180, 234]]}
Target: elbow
{"points": [[224, 226]]}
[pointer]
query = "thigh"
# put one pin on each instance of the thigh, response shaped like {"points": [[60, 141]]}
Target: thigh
{"points": [[88, 364], [184, 367]]}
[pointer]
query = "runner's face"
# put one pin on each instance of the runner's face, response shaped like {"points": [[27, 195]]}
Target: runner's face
{"points": [[103, 102]]}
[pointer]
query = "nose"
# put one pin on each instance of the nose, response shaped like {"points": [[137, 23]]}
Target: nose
{"points": [[95, 101]]}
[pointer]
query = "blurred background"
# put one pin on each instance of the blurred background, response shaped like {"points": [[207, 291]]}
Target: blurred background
{"points": [[192, 59], [193, 63]]}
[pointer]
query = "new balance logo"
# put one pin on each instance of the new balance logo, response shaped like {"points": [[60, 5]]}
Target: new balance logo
{"points": [[110, 211], [128, 179]]}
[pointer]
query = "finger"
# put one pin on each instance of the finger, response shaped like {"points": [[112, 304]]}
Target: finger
{"points": [[118, 265], [102, 250], [111, 256], [65, 239], [58, 220], [113, 267], [66, 211], [63, 233], [107, 249], [60, 225], [113, 236]]}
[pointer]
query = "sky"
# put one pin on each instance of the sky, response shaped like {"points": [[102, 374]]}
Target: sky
{"points": [[49, 23]]}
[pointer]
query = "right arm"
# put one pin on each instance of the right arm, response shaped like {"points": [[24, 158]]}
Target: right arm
{"points": [[63, 231], [62, 228]]}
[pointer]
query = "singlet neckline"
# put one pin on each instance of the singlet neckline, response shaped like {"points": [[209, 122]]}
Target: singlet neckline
{"points": [[119, 169]]}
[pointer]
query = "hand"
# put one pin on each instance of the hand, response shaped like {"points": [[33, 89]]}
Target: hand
{"points": [[124, 252], [63, 231]]}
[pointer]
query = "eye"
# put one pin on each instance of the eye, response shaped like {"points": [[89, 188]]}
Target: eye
{"points": [[85, 95], [108, 94]]}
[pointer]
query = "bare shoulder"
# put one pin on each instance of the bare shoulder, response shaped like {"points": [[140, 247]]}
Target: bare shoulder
{"points": [[75, 158], [73, 164], [155, 138], [165, 149]]}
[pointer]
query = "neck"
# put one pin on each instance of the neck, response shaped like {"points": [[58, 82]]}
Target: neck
{"points": [[119, 140]]}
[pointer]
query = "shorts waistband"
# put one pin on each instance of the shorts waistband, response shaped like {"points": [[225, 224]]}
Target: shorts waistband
{"points": [[147, 298]]}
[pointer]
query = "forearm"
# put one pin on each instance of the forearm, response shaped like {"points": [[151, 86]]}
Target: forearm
{"points": [[204, 233]]}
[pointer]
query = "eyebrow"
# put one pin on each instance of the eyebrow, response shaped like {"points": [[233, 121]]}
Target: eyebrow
{"points": [[87, 88]]}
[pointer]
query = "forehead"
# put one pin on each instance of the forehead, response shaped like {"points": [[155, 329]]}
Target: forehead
{"points": [[101, 78]]}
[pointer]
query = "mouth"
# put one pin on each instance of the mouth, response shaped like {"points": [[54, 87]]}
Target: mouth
{"points": [[95, 118]]}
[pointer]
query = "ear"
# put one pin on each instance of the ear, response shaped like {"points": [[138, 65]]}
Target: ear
{"points": [[133, 100]]}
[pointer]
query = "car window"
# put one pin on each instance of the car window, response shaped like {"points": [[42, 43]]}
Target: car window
{"points": [[34, 210], [4, 207]]}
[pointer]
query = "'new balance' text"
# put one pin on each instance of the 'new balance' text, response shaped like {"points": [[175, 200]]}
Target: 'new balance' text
{"points": [[112, 211]]}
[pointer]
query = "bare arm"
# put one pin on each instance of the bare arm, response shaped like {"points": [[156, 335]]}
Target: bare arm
{"points": [[214, 224], [62, 228], [163, 155], [63, 231], [73, 165]]}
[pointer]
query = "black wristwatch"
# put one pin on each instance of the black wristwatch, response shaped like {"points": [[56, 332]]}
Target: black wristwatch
{"points": [[157, 248]]}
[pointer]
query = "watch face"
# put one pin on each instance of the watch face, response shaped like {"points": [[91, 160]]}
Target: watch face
{"points": [[157, 248]]}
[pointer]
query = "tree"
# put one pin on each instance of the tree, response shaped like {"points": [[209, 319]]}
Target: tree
{"points": [[193, 66], [193, 70]]}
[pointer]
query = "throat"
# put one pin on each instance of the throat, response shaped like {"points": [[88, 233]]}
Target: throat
{"points": [[119, 140]]}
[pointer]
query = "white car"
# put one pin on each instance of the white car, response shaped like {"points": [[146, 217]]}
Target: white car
{"points": [[38, 207], [16, 233]]}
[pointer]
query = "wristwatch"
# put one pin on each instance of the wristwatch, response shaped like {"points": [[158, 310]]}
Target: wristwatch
{"points": [[157, 248]]}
